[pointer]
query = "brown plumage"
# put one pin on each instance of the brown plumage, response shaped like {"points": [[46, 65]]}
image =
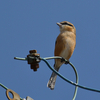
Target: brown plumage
{"points": [[64, 47]]}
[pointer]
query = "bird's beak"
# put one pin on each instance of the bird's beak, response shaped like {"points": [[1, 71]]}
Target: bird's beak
{"points": [[59, 24]]}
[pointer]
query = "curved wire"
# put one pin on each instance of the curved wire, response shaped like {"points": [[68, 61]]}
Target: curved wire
{"points": [[56, 57], [80, 86], [47, 58]]}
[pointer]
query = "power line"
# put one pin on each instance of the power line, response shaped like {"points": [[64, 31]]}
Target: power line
{"points": [[33, 59]]}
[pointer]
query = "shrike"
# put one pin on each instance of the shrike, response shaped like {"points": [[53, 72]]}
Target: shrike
{"points": [[64, 47]]}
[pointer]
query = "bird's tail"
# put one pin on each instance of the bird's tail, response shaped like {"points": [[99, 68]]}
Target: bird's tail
{"points": [[52, 80]]}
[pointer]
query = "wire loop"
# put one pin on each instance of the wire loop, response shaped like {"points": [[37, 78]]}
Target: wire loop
{"points": [[61, 76]]}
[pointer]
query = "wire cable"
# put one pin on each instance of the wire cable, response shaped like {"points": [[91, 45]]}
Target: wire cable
{"points": [[3, 86], [69, 81], [56, 57], [80, 86]]}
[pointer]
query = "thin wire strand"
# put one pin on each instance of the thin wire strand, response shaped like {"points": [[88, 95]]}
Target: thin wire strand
{"points": [[3, 86], [57, 57], [80, 86], [76, 87]]}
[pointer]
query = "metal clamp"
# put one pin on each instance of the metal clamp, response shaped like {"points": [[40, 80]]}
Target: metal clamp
{"points": [[15, 95]]}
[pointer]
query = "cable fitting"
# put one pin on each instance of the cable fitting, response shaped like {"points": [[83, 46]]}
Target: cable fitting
{"points": [[33, 59]]}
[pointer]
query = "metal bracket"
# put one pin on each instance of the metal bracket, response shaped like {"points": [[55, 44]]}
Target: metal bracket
{"points": [[15, 95]]}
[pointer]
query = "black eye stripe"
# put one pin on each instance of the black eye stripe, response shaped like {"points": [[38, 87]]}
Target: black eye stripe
{"points": [[67, 24]]}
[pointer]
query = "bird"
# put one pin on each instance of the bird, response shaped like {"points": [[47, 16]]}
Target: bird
{"points": [[64, 47]]}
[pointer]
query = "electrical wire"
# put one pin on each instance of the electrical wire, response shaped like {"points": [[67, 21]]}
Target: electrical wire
{"points": [[3, 86], [69, 81], [75, 84], [56, 57]]}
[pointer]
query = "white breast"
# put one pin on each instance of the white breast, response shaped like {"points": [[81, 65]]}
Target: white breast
{"points": [[67, 49]]}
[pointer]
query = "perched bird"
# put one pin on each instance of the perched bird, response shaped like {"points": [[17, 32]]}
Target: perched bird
{"points": [[64, 47]]}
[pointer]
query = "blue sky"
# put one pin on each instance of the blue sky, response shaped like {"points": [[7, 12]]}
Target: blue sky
{"points": [[31, 24]]}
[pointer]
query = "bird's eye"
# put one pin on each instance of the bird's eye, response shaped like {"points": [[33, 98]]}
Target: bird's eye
{"points": [[66, 24]]}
